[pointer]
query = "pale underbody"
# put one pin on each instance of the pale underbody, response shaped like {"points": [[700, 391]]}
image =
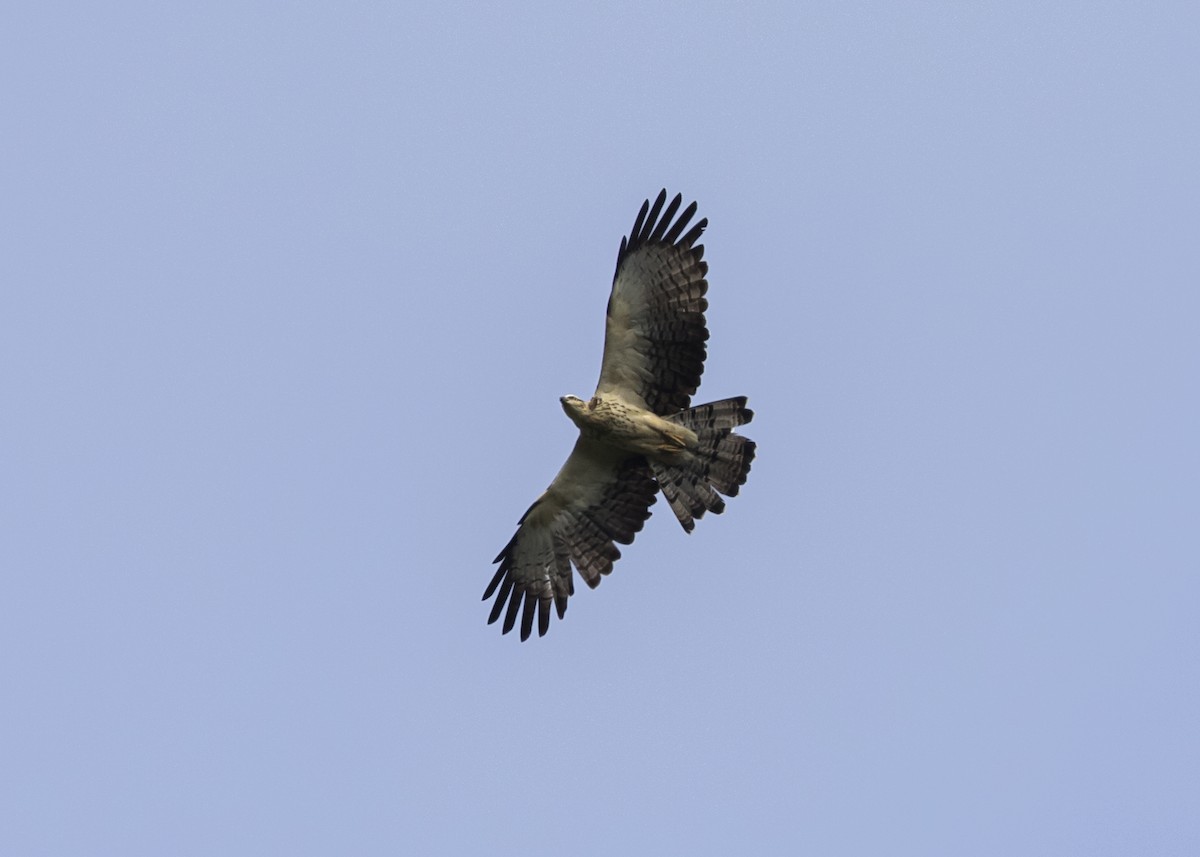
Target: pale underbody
{"points": [[627, 427]]}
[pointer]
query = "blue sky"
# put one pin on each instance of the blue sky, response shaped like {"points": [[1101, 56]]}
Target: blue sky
{"points": [[290, 291]]}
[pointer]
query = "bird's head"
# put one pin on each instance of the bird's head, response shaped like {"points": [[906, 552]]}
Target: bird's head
{"points": [[575, 408]]}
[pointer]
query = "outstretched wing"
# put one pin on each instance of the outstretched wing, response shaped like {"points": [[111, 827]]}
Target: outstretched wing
{"points": [[600, 496], [654, 339]]}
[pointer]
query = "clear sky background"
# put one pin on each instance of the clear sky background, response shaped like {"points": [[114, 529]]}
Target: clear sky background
{"points": [[290, 292]]}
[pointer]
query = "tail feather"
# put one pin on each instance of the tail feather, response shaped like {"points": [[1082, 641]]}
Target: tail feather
{"points": [[725, 414], [720, 461]]}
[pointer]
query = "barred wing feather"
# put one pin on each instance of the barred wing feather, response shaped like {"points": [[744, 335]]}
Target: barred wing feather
{"points": [[655, 335], [598, 498]]}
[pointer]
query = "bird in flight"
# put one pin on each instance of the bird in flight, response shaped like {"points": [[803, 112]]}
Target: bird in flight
{"points": [[638, 434]]}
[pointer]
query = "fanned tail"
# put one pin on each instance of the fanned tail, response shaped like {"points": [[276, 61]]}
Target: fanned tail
{"points": [[693, 481]]}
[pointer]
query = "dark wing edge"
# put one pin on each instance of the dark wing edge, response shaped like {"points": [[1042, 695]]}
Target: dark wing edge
{"points": [[657, 306], [535, 566], [649, 228]]}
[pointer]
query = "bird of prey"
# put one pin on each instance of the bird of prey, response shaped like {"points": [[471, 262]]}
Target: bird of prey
{"points": [[638, 434]]}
